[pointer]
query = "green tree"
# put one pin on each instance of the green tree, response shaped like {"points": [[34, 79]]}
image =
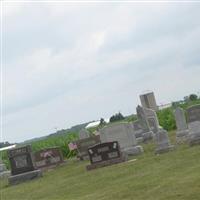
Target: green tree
{"points": [[116, 117], [193, 97]]}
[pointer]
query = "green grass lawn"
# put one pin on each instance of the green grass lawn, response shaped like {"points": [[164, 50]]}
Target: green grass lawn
{"points": [[170, 176]]}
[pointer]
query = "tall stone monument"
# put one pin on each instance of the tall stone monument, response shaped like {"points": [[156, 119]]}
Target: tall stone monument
{"points": [[193, 117], [148, 101], [152, 119], [123, 133], [141, 126], [160, 135], [181, 124]]}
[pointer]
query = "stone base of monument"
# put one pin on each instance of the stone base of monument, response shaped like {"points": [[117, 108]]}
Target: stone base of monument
{"points": [[194, 139], [106, 163], [20, 178], [2, 167], [133, 151], [4, 174], [182, 136], [147, 136], [83, 157], [139, 140], [164, 149]]}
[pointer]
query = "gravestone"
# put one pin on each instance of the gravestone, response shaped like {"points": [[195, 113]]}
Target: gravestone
{"points": [[3, 171], [123, 133], [22, 165], [105, 154], [193, 118], [84, 144], [84, 134], [141, 126], [152, 120], [162, 142], [181, 124], [48, 158]]}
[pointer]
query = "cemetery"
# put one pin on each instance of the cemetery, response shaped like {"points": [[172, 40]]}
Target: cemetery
{"points": [[122, 160]]}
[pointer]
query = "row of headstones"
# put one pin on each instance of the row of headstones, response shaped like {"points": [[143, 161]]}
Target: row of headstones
{"points": [[111, 146], [188, 130], [128, 135], [26, 165], [144, 129]]}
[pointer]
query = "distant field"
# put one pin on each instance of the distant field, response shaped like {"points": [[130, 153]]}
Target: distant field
{"points": [[171, 176]]}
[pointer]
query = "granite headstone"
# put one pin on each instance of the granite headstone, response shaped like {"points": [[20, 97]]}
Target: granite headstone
{"points": [[105, 154], [193, 118], [181, 124], [84, 144], [162, 142], [152, 119], [123, 133], [22, 165], [141, 126], [48, 158]]}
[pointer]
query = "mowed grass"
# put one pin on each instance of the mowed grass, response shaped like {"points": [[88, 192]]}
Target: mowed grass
{"points": [[170, 176]]}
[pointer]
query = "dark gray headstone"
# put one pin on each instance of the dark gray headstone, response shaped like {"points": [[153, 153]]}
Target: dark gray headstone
{"points": [[105, 154], [22, 165]]}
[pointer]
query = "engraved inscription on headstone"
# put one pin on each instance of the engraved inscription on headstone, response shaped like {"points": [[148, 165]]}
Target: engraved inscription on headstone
{"points": [[21, 160], [104, 151]]}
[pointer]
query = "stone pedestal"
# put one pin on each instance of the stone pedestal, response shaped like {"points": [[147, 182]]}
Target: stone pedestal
{"points": [[133, 151], [162, 142], [16, 179], [106, 163], [147, 136], [182, 136]]}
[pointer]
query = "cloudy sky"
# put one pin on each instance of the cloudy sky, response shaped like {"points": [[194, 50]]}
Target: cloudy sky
{"points": [[69, 63]]}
